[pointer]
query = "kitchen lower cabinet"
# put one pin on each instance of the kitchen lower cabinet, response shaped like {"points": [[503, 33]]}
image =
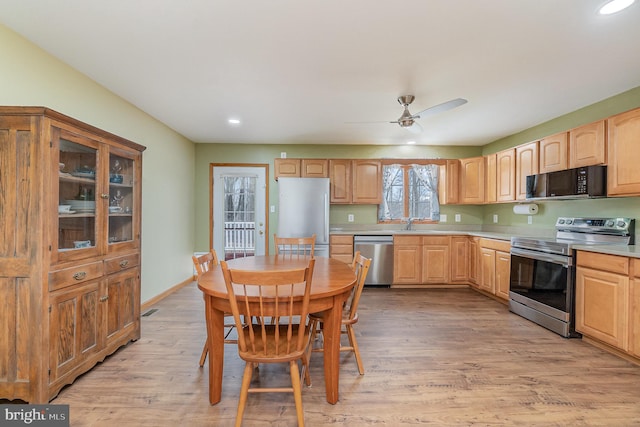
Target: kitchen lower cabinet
{"points": [[495, 265], [70, 221], [341, 247], [459, 259], [474, 260], [407, 260], [435, 259], [634, 310], [602, 298]]}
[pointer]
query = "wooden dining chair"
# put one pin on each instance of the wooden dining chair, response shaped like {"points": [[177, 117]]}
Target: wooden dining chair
{"points": [[361, 266], [295, 245], [262, 296], [202, 264]]}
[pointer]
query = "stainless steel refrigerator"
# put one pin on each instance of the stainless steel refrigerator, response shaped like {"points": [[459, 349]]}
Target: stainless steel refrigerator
{"points": [[303, 205]]}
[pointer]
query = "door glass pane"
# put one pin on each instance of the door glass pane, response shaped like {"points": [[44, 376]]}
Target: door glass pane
{"points": [[239, 216], [76, 201], [121, 201]]}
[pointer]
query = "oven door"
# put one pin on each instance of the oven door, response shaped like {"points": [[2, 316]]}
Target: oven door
{"points": [[542, 281]]}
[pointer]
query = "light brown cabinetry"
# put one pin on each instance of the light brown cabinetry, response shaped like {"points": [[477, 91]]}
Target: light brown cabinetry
{"points": [[623, 173], [407, 260], [506, 175], [491, 183], [474, 260], [435, 259], [472, 180], [69, 282], [449, 184], [588, 145], [459, 259], [341, 247], [526, 164], [634, 309], [602, 297], [495, 265], [301, 168], [289, 168], [355, 181], [554, 152]]}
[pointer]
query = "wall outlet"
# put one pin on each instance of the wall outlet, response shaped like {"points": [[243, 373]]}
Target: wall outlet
{"points": [[495, 218], [458, 218], [273, 208], [529, 220], [283, 155], [443, 217], [350, 218]]}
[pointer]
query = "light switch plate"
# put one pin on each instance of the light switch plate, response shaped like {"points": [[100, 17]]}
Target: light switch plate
{"points": [[529, 220], [272, 209], [495, 218], [458, 218]]}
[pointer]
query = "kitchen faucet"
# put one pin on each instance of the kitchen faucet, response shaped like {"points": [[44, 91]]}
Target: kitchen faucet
{"points": [[409, 223]]}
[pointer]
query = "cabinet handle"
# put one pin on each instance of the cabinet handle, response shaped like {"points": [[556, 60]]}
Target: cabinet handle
{"points": [[80, 275], [104, 196], [124, 263], [104, 298]]}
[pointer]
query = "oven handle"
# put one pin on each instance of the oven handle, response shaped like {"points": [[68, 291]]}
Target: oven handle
{"points": [[565, 261]]}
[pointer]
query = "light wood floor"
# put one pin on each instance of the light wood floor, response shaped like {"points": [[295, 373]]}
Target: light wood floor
{"points": [[438, 357]]}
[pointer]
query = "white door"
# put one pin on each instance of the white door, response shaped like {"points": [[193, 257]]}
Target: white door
{"points": [[239, 211]]}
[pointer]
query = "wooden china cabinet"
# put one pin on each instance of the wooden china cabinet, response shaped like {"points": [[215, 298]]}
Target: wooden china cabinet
{"points": [[69, 281]]}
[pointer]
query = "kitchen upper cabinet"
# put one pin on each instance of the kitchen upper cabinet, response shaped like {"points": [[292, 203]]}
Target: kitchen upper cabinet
{"points": [[602, 297], [587, 145], [472, 180], [289, 168], [435, 259], [340, 180], [367, 181], [554, 152], [526, 164], [314, 168], [506, 175], [449, 183], [623, 173], [491, 184]]}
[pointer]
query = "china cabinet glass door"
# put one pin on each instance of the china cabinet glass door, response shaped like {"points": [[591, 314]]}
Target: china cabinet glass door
{"points": [[122, 198], [77, 225]]}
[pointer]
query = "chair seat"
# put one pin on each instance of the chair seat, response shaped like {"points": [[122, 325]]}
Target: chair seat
{"points": [[271, 355]]}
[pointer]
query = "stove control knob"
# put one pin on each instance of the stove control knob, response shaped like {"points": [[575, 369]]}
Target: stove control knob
{"points": [[569, 221], [621, 224], [609, 223], [561, 221]]}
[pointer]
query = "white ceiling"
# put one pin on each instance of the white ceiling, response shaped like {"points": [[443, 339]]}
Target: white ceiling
{"points": [[294, 71]]}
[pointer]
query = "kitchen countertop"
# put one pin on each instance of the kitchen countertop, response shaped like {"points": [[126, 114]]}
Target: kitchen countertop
{"points": [[630, 251]]}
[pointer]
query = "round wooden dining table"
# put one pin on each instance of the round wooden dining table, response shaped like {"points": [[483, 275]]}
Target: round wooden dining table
{"points": [[330, 287]]}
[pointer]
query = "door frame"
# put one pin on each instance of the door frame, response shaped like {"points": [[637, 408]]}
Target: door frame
{"points": [[266, 197]]}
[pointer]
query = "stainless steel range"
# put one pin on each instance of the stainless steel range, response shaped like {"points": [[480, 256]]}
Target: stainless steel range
{"points": [[542, 280]]}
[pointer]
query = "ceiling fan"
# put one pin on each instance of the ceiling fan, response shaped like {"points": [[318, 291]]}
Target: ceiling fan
{"points": [[408, 120]]}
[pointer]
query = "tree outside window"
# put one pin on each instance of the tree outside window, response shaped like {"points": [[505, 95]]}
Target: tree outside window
{"points": [[409, 191]]}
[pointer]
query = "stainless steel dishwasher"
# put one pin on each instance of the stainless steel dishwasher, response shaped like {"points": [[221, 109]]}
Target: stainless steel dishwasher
{"points": [[380, 250]]}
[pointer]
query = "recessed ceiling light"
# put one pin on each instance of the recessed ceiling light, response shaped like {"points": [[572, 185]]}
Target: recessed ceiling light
{"points": [[411, 142], [234, 121], [615, 6]]}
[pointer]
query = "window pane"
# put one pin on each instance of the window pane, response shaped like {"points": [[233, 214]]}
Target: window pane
{"points": [[419, 198], [392, 206]]}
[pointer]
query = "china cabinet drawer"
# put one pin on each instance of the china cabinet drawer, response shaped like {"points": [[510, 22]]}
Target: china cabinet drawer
{"points": [[114, 265], [73, 275]]}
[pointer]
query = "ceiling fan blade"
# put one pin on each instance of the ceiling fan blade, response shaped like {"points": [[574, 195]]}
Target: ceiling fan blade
{"points": [[440, 108]]}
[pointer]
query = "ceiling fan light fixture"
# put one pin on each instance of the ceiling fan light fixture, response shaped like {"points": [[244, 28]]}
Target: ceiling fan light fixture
{"points": [[234, 122], [614, 6]]}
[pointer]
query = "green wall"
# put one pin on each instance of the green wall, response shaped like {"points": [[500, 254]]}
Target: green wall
{"points": [[30, 76]]}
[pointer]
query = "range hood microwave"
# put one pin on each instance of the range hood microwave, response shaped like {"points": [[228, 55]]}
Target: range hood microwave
{"points": [[579, 183]]}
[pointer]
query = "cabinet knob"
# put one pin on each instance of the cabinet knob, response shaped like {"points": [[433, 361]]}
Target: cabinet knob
{"points": [[124, 263], [104, 196], [104, 298], [80, 275]]}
